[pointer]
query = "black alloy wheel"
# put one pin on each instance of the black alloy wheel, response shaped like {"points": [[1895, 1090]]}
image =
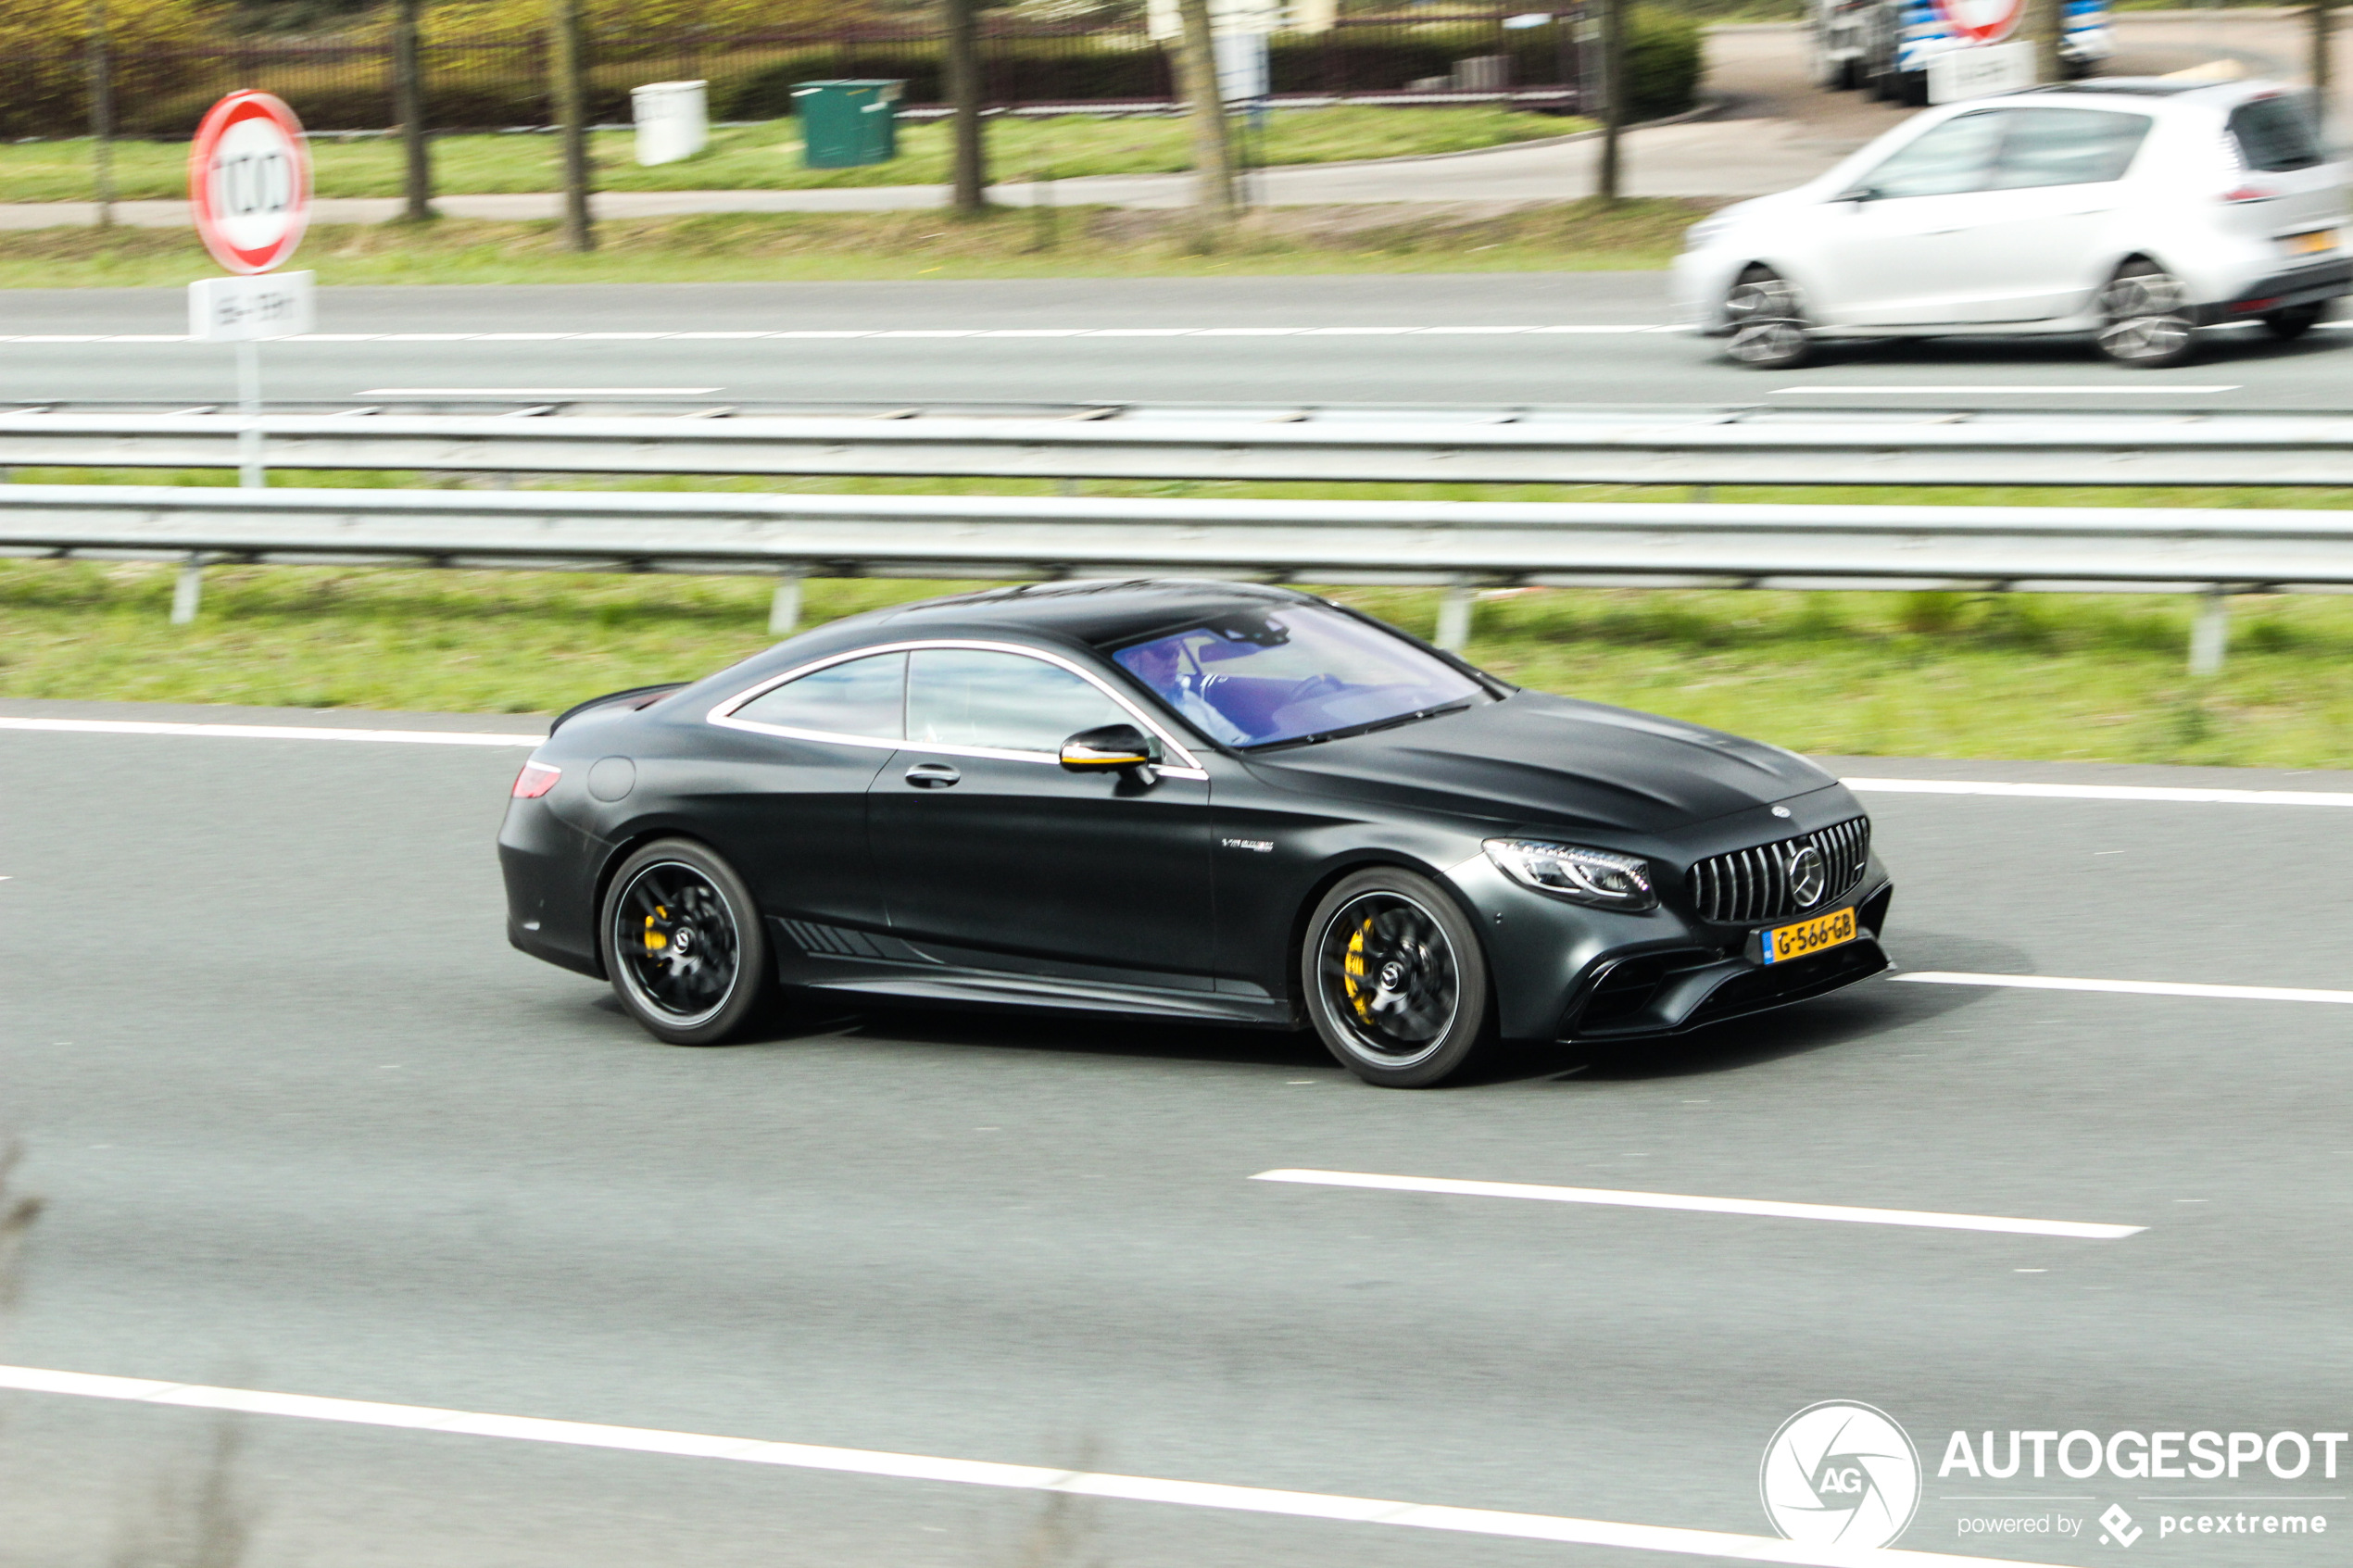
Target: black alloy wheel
{"points": [[2293, 322], [1395, 982], [683, 944], [2146, 315], [1767, 321]]}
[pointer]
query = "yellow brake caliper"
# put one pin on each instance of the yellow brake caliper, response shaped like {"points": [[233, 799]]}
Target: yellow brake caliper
{"points": [[655, 940], [1352, 970]]}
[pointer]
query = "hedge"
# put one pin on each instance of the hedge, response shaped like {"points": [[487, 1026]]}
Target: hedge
{"points": [[163, 89]]}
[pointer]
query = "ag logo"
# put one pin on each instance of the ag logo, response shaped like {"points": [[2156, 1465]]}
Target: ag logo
{"points": [[1841, 1473]]}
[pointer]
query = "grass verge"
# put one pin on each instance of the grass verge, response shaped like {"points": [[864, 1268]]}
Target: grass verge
{"points": [[1011, 242], [2063, 677], [767, 156]]}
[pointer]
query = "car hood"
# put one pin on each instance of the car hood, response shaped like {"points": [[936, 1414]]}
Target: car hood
{"points": [[1536, 759]]}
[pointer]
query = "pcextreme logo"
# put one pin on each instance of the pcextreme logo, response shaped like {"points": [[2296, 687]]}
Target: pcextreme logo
{"points": [[1841, 1473]]}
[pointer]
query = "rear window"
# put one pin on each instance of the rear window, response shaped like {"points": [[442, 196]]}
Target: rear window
{"points": [[2067, 147], [2273, 135]]}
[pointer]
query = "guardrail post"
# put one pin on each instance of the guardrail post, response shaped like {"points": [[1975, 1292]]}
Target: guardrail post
{"points": [[2210, 634], [784, 607], [187, 595], [1454, 618]]}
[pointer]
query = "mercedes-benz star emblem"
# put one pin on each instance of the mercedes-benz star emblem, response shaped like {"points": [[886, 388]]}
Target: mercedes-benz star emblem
{"points": [[1809, 877]]}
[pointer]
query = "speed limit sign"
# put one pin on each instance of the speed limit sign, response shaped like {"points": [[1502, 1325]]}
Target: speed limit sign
{"points": [[249, 182], [1982, 21]]}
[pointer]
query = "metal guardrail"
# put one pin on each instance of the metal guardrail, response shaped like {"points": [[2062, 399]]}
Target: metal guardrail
{"points": [[1460, 546], [1324, 445]]}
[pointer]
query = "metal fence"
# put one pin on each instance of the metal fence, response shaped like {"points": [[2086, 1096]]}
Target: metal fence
{"points": [[1350, 446], [1462, 546], [161, 90]]}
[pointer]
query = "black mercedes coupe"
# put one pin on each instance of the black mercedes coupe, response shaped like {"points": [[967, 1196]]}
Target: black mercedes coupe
{"points": [[1190, 800]]}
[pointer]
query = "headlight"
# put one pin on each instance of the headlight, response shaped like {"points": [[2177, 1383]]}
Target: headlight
{"points": [[1588, 876]]}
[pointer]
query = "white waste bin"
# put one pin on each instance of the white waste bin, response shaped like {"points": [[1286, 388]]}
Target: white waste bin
{"points": [[672, 119]]}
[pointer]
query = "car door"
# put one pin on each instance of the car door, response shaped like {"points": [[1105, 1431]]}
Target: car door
{"points": [[793, 814], [2058, 185], [991, 855], [1901, 247]]}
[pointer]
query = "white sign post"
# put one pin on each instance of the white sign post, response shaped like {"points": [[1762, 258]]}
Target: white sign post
{"points": [[250, 186], [249, 189]]}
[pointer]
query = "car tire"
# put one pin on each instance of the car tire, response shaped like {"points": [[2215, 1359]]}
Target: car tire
{"points": [[681, 938], [2294, 321], [1395, 982], [2146, 317], [1911, 89], [1767, 321]]}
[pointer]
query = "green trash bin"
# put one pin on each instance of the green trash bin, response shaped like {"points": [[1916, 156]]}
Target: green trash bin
{"points": [[846, 123]]}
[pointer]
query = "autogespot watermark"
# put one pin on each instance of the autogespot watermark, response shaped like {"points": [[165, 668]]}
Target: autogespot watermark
{"points": [[1848, 1474]]}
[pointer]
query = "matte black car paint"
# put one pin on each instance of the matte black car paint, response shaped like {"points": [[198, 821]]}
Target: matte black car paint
{"points": [[1178, 897]]}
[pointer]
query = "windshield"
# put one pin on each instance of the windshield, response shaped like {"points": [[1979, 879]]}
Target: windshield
{"points": [[1261, 676]]}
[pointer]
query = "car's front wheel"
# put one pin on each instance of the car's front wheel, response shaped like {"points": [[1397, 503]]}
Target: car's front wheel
{"points": [[2146, 317], [1395, 982], [2293, 322], [1767, 320], [683, 944]]}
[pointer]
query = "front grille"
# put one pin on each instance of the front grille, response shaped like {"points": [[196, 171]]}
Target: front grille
{"points": [[1748, 885]]}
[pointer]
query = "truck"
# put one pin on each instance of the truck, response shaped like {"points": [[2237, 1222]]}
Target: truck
{"points": [[1883, 46]]}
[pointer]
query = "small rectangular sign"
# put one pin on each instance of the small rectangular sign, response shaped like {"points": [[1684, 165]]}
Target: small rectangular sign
{"points": [[241, 309], [1973, 73]]}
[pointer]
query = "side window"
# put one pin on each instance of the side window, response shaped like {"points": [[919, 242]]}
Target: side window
{"points": [[1955, 157], [967, 696], [2274, 136], [2067, 147], [862, 698]]}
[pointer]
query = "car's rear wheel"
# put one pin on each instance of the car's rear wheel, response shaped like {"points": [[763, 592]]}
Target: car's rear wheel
{"points": [[2294, 321], [683, 944], [1767, 320], [2146, 317], [1395, 982]]}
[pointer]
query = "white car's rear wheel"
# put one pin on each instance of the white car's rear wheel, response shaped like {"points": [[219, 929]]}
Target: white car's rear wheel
{"points": [[2146, 317], [1767, 320]]}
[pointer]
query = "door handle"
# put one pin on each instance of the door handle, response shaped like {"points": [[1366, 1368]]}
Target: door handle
{"points": [[932, 776]]}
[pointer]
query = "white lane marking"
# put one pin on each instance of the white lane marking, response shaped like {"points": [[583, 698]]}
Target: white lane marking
{"points": [[2075, 1229], [534, 392], [2127, 987], [267, 732], [981, 332], [2161, 389], [2103, 792], [1338, 1509]]}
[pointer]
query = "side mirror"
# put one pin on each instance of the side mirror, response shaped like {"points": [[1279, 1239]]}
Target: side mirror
{"points": [[1110, 749], [1859, 194]]}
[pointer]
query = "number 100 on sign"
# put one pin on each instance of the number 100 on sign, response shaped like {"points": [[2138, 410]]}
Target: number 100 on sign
{"points": [[249, 182]]}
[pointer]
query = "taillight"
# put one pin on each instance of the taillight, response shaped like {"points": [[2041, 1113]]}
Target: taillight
{"points": [[535, 780], [2249, 194]]}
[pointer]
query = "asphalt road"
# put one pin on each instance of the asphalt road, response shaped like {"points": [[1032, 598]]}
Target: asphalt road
{"points": [[445, 340], [304, 1123]]}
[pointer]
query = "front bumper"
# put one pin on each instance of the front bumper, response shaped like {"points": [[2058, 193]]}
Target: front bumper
{"points": [[1639, 995], [2308, 285]]}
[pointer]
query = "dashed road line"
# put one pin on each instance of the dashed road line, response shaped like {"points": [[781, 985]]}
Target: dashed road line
{"points": [[2161, 389], [1925, 1219], [2160, 793], [536, 392], [2127, 987], [1329, 1507]]}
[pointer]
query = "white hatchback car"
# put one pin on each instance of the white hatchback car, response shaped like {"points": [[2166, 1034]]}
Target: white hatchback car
{"points": [[2137, 209]]}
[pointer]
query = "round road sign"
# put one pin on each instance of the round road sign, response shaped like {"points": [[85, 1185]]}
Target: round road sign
{"points": [[249, 182], [1981, 22]]}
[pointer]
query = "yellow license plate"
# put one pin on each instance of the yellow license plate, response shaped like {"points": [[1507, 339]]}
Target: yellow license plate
{"points": [[1786, 942], [2306, 244]]}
